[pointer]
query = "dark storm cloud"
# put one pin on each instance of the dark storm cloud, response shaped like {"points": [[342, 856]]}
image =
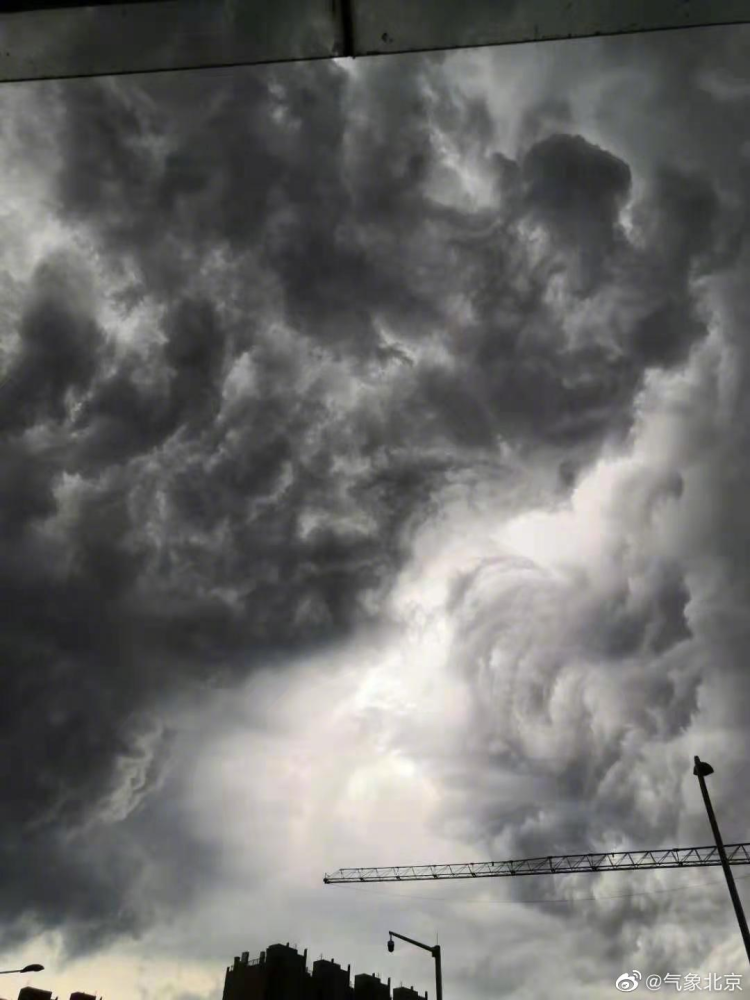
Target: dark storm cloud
{"points": [[328, 220], [652, 626], [515, 369], [578, 190], [200, 532], [59, 344], [663, 337], [25, 489], [262, 167], [683, 209], [121, 419]]}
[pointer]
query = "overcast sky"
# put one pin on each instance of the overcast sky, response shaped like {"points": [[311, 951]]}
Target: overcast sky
{"points": [[374, 454]]}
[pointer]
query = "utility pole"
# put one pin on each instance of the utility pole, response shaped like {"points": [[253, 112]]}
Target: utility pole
{"points": [[434, 951], [702, 769]]}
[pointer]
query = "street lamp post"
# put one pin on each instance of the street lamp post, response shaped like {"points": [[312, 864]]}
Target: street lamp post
{"points": [[702, 769], [26, 968], [434, 951]]}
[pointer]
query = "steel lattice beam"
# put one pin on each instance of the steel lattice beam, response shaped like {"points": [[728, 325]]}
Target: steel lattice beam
{"points": [[673, 857]]}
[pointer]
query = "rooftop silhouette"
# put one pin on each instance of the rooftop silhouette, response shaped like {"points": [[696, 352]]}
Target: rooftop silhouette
{"points": [[280, 973], [34, 993]]}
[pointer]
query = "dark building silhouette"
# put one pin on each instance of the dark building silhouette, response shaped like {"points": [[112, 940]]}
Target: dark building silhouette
{"points": [[279, 974], [330, 981], [246, 980], [370, 988], [287, 973], [34, 993], [407, 993]]}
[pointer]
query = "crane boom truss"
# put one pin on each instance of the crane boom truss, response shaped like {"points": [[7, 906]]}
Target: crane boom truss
{"points": [[673, 857]]}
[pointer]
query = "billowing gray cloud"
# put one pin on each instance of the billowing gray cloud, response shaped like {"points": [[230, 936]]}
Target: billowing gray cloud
{"points": [[59, 343]]}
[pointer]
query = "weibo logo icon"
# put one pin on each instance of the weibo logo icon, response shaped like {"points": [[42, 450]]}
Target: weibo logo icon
{"points": [[628, 981]]}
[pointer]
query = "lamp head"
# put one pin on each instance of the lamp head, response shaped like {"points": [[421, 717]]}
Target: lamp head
{"points": [[33, 968], [702, 768], [391, 945]]}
